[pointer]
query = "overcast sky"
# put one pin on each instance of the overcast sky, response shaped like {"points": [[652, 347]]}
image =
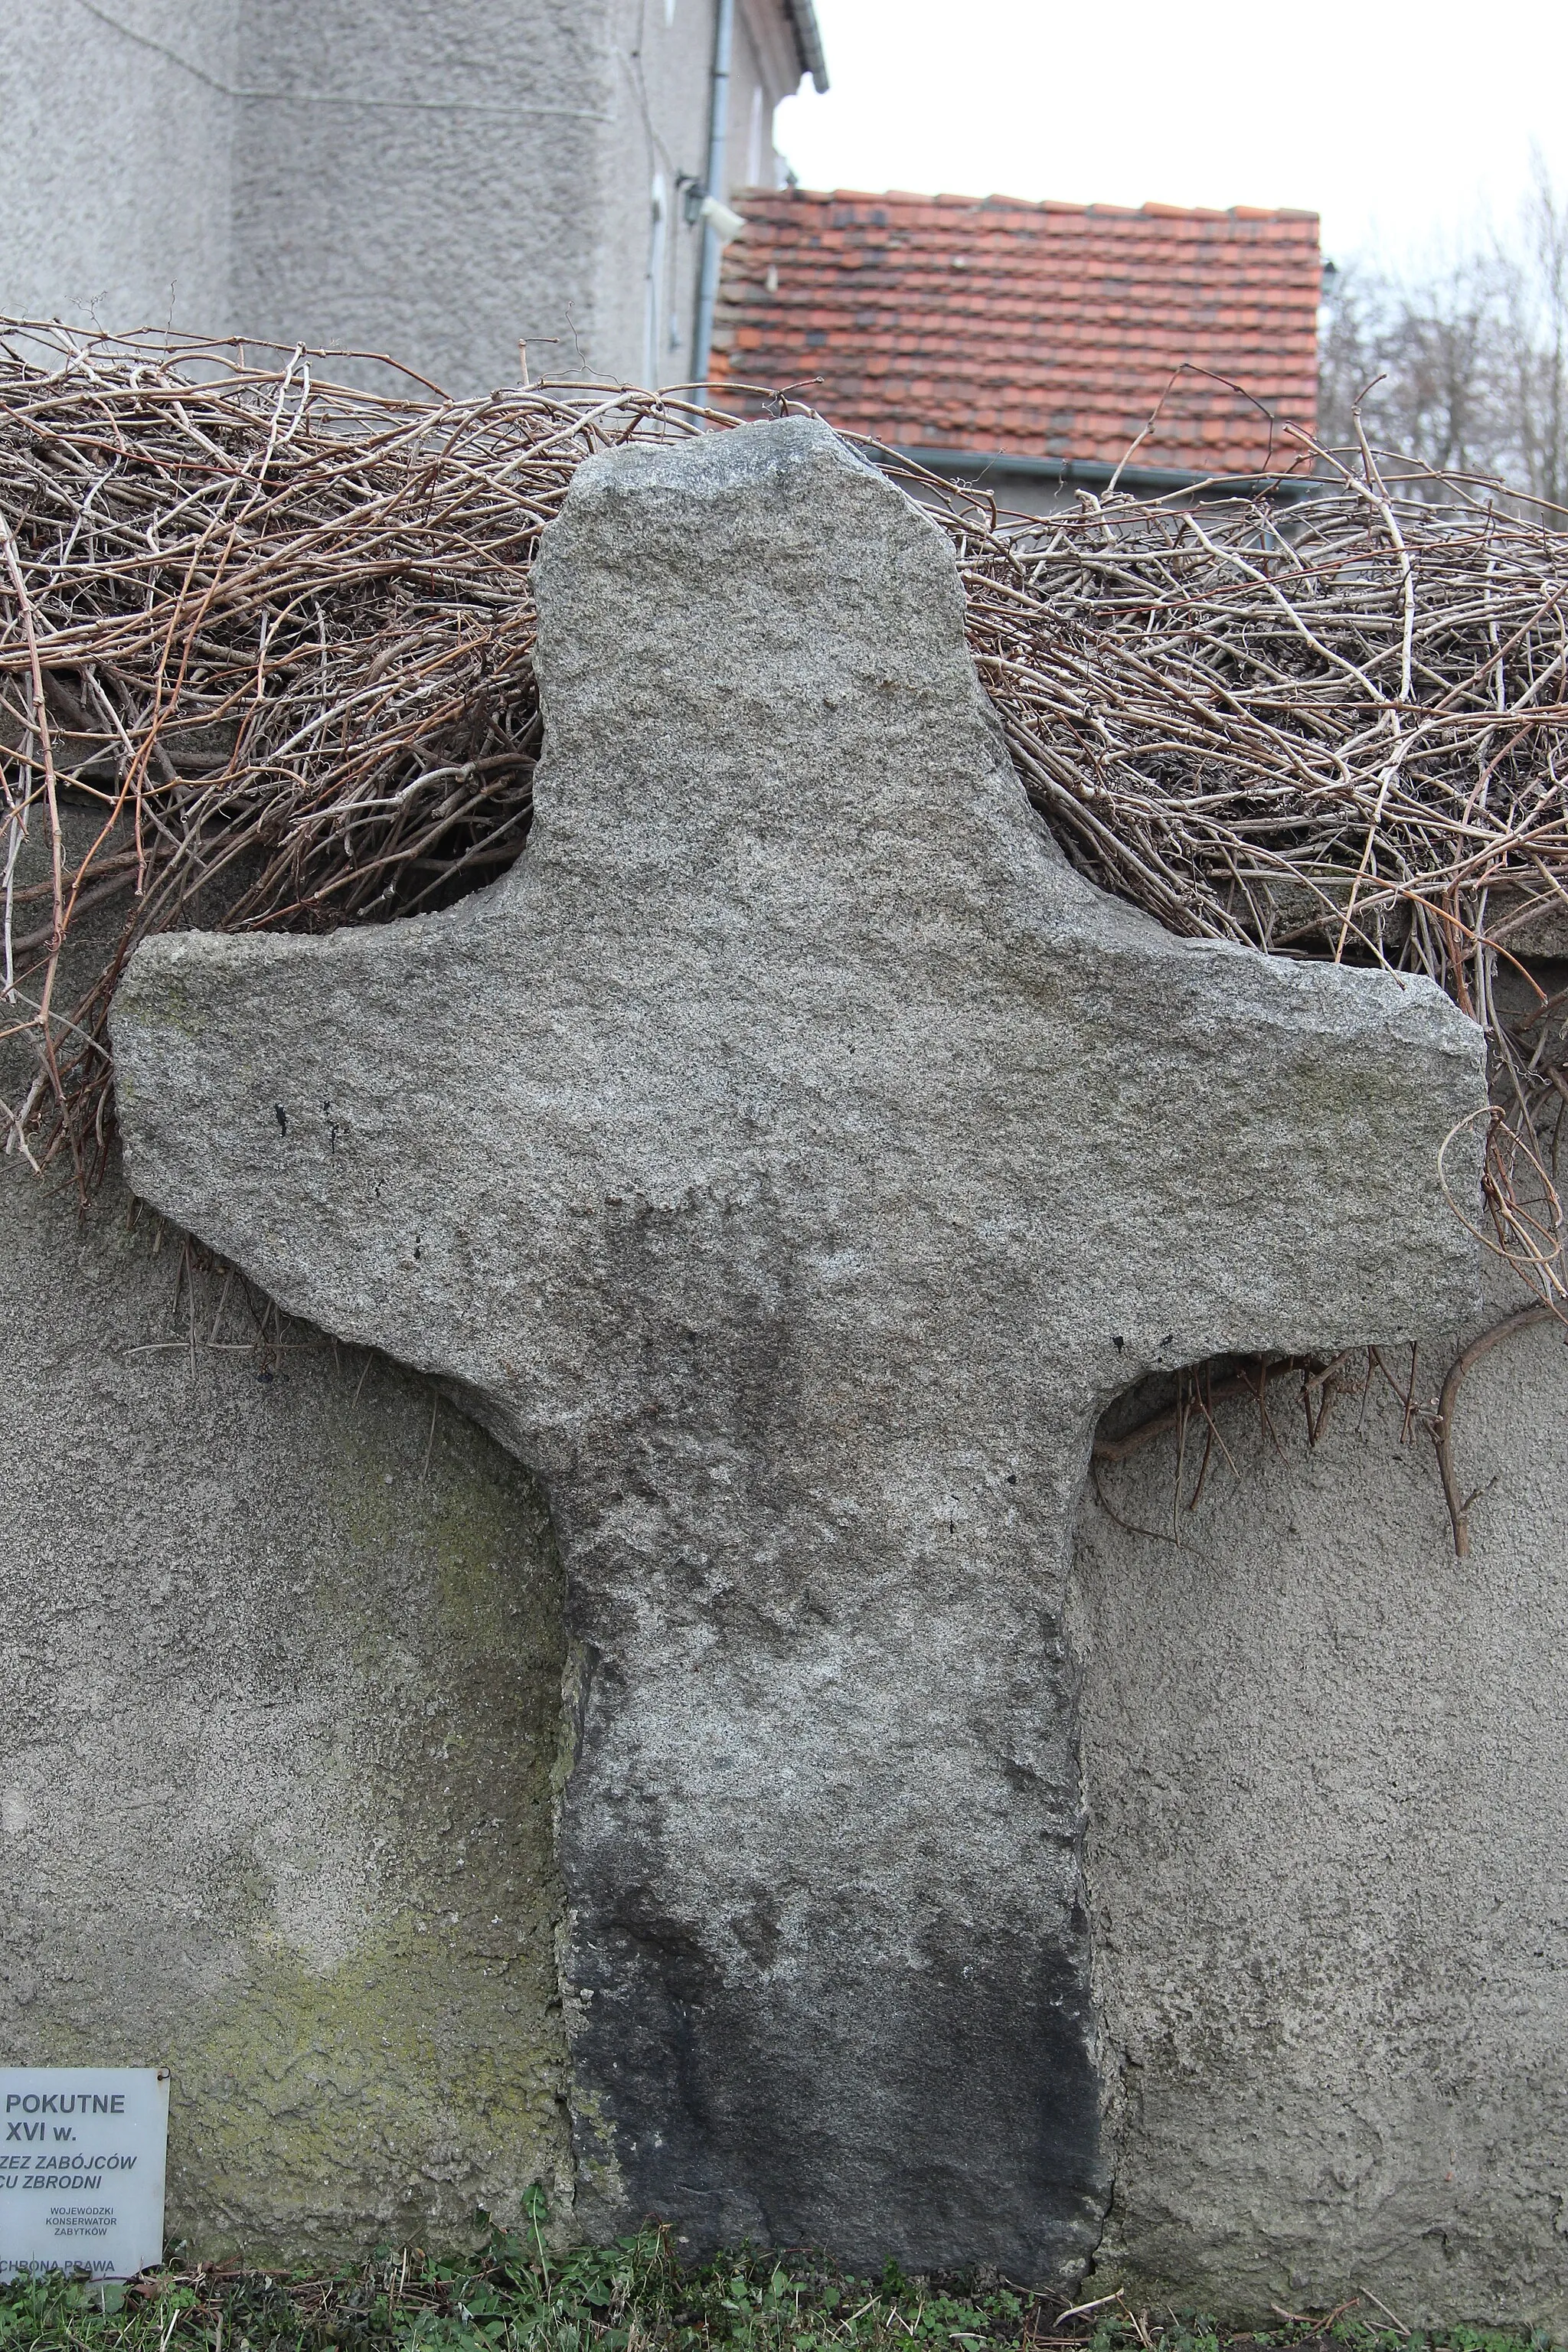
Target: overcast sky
{"points": [[1400, 124]]}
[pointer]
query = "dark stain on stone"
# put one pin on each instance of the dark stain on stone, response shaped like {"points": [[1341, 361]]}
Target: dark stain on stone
{"points": [[928, 2108]]}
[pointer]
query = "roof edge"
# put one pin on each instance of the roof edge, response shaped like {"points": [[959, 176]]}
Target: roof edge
{"points": [[808, 41], [997, 202], [982, 469]]}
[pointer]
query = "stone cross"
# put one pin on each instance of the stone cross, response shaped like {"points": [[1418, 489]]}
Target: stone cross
{"points": [[789, 1159]]}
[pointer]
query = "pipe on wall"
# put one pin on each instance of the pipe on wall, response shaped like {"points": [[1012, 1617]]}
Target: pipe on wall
{"points": [[718, 132]]}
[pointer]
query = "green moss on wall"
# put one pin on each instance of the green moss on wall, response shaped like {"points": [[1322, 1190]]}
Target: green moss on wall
{"points": [[400, 2097], [278, 1813]]}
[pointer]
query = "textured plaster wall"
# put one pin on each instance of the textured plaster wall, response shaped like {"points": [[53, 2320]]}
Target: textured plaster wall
{"points": [[436, 179], [279, 1688], [115, 163], [663, 69], [1327, 1782], [426, 180]]}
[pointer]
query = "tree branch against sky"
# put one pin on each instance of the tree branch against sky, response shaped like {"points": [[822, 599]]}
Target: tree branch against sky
{"points": [[1462, 362], [1398, 124]]}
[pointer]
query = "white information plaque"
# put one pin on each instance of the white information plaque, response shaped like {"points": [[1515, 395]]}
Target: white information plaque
{"points": [[82, 2152]]}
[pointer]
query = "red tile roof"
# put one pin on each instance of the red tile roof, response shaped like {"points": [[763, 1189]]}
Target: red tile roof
{"points": [[1030, 330]]}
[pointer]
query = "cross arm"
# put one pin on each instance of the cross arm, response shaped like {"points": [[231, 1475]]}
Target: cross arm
{"points": [[1277, 1149], [294, 1103]]}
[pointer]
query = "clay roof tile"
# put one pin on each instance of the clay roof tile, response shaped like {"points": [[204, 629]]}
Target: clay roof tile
{"points": [[931, 320]]}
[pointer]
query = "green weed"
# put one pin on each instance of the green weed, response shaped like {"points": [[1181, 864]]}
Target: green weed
{"points": [[635, 2296]]}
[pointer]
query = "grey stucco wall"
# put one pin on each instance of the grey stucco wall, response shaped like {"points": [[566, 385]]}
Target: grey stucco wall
{"points": [[1327, 1781], [280, 1656], [663, 68], [280, 1682], [664, 51], [115, 162], [426, 180], [435, 179]]}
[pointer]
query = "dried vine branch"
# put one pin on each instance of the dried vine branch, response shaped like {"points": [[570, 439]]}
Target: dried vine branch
{"points": [[266, 661], [273, 640], [1442, 1420]]}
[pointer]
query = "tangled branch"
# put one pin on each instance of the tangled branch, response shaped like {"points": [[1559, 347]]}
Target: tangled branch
{"points": [[265, 662], [272, 641]]}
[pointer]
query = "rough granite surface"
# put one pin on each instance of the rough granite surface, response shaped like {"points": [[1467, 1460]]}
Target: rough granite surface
{"points": [[789, 1161]]}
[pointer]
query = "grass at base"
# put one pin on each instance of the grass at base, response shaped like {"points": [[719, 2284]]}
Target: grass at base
{"points": [[634, 2297]]}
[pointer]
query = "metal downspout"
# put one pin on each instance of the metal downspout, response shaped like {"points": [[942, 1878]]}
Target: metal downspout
{"points": [[718, 132]]}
